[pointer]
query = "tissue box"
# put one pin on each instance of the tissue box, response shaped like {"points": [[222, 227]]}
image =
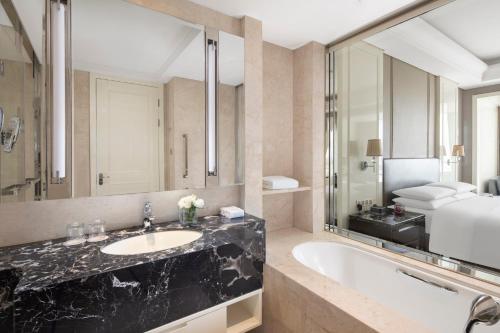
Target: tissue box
{"points": [[279, 183]]}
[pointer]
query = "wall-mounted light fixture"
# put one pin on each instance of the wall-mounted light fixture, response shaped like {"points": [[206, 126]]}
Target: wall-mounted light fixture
{"points": [[59, 51], [373, 149], [212, 100], [458, 152]]}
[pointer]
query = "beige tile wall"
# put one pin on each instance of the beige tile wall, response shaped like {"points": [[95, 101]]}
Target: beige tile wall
{"points": [[308, 135], [185, 114], [39, 220], [278, 131], [293, 128], [184, 102], [252, 32], [278, 111], [81, 113], [227, 134], [291, 308]]}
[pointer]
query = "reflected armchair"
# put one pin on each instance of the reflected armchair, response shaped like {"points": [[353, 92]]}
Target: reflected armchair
{"points": [[494, 186]]}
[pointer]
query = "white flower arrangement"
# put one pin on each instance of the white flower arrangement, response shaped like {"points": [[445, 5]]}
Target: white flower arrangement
{"points": [[191, 201], [187, 208]]}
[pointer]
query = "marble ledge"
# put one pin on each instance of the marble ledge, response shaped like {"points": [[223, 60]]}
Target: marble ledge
{"points": [[50, 262], [367, 312]]}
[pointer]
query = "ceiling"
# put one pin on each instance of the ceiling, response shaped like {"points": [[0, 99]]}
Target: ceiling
{"points": [[11, 48], [293, 23], [134, 43], [142, 44], [472, 24], [459, 41], [31, 14]]}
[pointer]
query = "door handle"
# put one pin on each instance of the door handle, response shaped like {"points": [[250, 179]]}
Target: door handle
{"points": [[101, 178]]}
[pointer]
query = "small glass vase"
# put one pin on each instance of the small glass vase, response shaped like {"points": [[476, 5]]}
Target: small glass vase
{"points": [[188, 216]]}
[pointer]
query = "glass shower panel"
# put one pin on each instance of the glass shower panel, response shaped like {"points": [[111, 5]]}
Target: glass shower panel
{"points": [[331, 166], [354, 115]]}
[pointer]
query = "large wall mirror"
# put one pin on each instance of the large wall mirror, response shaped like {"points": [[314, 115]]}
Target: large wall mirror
{"points": [[413, 125], [127, 104]]}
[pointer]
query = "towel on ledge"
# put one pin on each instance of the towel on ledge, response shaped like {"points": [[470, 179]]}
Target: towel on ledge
{"points": [[279, 183], [232, 212]]}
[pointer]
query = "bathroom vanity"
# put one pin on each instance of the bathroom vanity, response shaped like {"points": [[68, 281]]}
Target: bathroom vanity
{"points": [[49, 287]]}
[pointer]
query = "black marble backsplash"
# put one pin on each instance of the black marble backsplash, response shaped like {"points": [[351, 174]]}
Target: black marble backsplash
{"points": [[54, 288]]}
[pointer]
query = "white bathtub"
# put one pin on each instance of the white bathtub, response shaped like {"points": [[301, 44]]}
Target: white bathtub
{"points": [[383, 280]]}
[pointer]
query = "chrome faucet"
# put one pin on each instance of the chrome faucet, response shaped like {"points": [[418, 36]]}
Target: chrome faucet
{"points": [[484, 310], [148, 216]]}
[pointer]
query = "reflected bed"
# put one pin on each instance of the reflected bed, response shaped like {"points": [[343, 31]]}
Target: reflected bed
{"points": [[465, 228]]}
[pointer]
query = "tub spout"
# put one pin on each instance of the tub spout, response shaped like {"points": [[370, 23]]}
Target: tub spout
{"points": [[484, 310]]}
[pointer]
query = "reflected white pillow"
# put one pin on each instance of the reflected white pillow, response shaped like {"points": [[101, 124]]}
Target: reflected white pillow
{"points": [[465, 195], [457, 186], [425, 193], [422, 204]]}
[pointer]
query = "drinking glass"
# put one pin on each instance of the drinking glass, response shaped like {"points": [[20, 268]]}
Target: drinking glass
{"points": [[76, 234], [97, 231]]}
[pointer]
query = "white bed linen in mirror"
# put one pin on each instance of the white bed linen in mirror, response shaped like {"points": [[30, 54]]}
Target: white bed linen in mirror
{"points": [[424, 192], [468, 230], [425, 204], [459, 187]]}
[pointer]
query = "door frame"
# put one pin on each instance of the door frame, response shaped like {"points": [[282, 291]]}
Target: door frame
{"points": [[93, 127]]}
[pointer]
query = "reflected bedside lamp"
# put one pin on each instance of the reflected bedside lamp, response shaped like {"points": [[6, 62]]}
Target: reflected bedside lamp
{"points": [[458, 152], [373, 149]]}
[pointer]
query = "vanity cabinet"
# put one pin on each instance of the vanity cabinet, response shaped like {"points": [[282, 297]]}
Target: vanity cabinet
{"points": [[212, 284]]}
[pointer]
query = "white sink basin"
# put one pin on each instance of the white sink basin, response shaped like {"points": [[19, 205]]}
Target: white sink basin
{"points": [[152, 242]]}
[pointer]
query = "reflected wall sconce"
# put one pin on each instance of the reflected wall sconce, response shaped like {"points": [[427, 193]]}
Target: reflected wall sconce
{"points": [[212, 100], [59, 54], [458, 152], [373, 149]]}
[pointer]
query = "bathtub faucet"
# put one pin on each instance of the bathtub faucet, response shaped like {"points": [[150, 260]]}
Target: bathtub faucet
{"points": [[484, 310]]}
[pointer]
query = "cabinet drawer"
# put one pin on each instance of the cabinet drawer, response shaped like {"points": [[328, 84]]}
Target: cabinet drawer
{"points": [[407, 234], [213, 322]]}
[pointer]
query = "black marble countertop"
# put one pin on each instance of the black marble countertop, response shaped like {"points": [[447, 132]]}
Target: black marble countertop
{"points": [[47, 263]]}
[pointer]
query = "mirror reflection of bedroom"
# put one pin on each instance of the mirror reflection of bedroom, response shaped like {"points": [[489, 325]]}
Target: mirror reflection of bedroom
{"points": [[413, 136]]}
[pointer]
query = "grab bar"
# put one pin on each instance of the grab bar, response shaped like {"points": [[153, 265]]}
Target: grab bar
{"points": [[429, 282], [186, 165]]}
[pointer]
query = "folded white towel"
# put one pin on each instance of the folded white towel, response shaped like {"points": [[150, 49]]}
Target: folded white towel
{"points": [[279, 183], [232, 212]]}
